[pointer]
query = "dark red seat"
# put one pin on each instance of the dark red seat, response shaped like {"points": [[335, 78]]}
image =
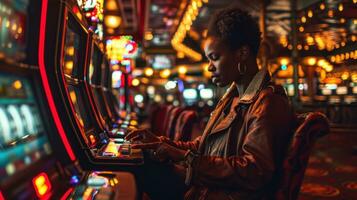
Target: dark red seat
{"points": [[171, 121], [158, 125], [184, 125], [311, 126]]}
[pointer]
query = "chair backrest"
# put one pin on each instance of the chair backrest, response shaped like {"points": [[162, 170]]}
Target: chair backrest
{"points": [[184, 125], [157, 123], [310, 127], [172, 120]]}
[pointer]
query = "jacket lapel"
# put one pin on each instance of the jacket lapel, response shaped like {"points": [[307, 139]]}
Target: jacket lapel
{"points": [[216, 114], [248, 97]]}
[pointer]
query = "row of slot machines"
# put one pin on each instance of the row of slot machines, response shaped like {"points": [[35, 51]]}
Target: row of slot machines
{"points": [[61, 129]]}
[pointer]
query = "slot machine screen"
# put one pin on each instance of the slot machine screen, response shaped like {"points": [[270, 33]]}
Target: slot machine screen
{"points": [[79, 107], [74, 56], [74, 49], [206, 93], [190, 95], [13, 16], [94, 65], [22, 134], [342, 90]]}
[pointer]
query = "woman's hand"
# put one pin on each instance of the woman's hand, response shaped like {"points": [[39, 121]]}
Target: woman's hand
{"points": [[145, 136], [162, 150]]}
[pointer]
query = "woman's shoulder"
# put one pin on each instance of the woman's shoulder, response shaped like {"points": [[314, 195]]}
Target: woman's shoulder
{"points": [[273, 90]]}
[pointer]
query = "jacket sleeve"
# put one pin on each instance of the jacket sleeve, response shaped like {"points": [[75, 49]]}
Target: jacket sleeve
{"points": [[253, 167], [190, 145]]}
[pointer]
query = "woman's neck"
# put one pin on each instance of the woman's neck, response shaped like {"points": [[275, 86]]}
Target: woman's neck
{"points": [[245, 79]]}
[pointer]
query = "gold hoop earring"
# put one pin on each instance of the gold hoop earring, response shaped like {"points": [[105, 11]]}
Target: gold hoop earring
{"points": [[241, 71]]}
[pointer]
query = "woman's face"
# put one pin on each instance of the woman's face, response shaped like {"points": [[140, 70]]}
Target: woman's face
{"points": [[222, 62]]}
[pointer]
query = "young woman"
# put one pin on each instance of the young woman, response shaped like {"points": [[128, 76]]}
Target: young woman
{"points": [[240, 153]]}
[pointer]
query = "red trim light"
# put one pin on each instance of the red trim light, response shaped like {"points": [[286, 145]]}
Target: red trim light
{"points": [[2, 196], [42, 185], [66, 194], [41, 63]]}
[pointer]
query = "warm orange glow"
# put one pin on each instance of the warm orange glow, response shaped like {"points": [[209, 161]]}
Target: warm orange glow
{"points": [[345, 76], [303, 19], [17, 84], [180, 54], [42, 184], [330, 13], [165, 73], [73, 96], [311, 61], [310, 13], [148, 36], [340, 7], [112, 21], [284, 61], [111, 5], [135, 82], [182, 70], [149, 72], [92, 139], [70, 51], [134, 123], [69, 65], [322, 6]]}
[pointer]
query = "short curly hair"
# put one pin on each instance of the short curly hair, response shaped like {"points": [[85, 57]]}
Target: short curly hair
{"points": [[235, 28]]}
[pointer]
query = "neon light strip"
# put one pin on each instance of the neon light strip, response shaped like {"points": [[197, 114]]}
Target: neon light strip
{"points": [[41, 63], [1, 196], [66, 194]]}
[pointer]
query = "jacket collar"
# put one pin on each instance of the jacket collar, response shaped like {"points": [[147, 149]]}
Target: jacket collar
{"points": [[254, 87]]}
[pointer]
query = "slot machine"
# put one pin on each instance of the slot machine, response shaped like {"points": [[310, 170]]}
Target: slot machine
{"points": [[95, 92], [35, 160], [65, 66]]}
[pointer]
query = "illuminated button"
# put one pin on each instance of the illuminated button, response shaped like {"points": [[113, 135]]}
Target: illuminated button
{"points": [[97, 181], [41, 184]]}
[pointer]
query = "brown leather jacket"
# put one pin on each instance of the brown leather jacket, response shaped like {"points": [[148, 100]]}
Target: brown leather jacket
{"points": [[243, 145]]}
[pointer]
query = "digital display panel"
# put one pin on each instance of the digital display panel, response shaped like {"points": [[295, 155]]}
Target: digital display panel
{"points": [[79, 107], [74, 51], [95, 65], [13, 19], [190, 94], [22, 134], [74, 57], [342, 90], [206, 93], [161, 61]]}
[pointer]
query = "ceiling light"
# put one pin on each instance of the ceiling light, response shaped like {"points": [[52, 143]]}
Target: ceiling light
{"points": [[148, 36], [112, 21], [301, 29], [322, 6], [311, 61], [340, 7], [111, 5], [310, 13], [303, 19]]}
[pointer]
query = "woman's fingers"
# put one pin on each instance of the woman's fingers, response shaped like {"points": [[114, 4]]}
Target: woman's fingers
{"points": [[133, 133], [152, 145]]}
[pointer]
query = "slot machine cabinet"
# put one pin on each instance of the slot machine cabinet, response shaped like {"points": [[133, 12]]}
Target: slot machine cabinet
{"points": [[95, 92], [35, 162], [64, 64], [28, 147], [92, 81]]}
